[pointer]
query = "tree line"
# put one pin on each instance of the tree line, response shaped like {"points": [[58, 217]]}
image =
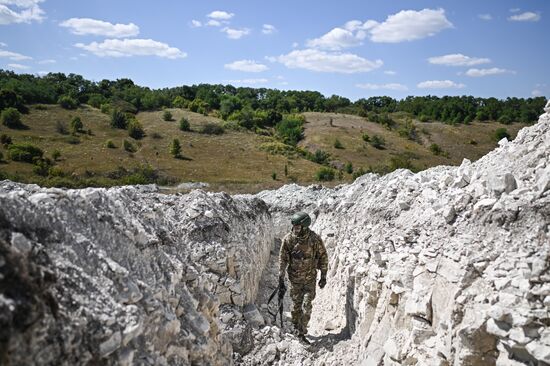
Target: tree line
{"points": [[251, 107]]}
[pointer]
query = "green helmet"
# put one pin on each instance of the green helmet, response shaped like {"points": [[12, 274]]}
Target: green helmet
{"points": [[301, 218]]}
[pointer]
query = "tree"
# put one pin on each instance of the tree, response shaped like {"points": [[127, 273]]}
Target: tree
{"points": [[184, 124], [128, 146], [175, 148], [501, 133], [349, 167], [135, 130], [24, 152], [67, 102], [378, 142], [76, 125], [11, 118], [167, 116], [118, 119]]}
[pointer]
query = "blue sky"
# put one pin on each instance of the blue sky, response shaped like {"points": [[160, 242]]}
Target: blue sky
{"points": [[351, 48]]}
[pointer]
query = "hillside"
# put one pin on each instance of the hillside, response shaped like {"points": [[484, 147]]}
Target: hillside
{"points": [[232, 161]]}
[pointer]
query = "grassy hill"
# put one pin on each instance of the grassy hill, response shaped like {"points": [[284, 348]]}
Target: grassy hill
{"points": [[235, 160]]}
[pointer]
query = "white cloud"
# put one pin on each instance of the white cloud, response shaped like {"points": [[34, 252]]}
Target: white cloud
{"points": [[514, 10], [268, 29], [457, 59], [132, 47], [528, 16], [486, 72], [246, 65], [390, 86], [220, 15], [295, 44], [536, 93], [315, 60], [2, 44], [14, 56], [390, 72], [18, 67], [235, 33], [195, 23], [85, 26], [246, 81], [46, 62], [485, 16], [42, 73], [20, 11], [439, 84], [213, 23], [409, 25]]}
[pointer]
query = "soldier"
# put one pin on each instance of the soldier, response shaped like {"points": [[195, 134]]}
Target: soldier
{"points": [[302, 254]]}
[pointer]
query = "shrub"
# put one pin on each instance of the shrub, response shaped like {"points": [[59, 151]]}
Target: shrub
{"points": [[73, 140], [156, 135], [61, 127], [118, 119], [325, 174], [180, 102], [274, 176], [105, 108], [348, 167], [167, 116], [96, 100], [24, 152], [1, 156], [365, 137], [175, 148], [338, 144], [291, 129], [321, 157], [135, 130], [5, 140], [473, 142], [378, 142], [11, 118], [184, 124], [436, 149], [401, 162], [110, 144], [40, 107], [423, 118], [41, 167], [67, 102], [286, 170], [76, 125], [501, 133], [56, 154], [128, 146], [359, 172], [212, 129], [408, 131]]}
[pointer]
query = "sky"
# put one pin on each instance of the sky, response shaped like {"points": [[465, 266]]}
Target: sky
{"points": [[352, 48]]}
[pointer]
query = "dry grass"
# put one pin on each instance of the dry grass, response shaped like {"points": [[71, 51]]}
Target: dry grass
{"points": [[233, 161]]}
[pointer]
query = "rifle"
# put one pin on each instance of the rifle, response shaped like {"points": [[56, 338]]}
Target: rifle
{"points": [[281, 290]]}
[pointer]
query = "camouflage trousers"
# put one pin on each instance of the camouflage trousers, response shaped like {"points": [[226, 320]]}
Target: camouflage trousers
{"points": [[302, 295]]}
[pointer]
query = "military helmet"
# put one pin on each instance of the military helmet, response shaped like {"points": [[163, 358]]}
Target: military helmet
{"points": [[301, 218]]}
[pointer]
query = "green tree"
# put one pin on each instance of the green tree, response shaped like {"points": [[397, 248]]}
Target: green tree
{"points": [[349, 167], [11, 118], [167, 116], [501, 133], [5, 140], [211, 128], [128, 146], [175, 148], [338, 144], [24, 152], [184, 124], [325, 174], [118, 119], [378, 142], [436, 149], [365, 137], [135, 130], [76, 125], [110, 144], [67, 102]]}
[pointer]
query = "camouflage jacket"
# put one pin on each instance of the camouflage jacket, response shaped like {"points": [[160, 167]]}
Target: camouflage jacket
{"points": [[302, 256]]}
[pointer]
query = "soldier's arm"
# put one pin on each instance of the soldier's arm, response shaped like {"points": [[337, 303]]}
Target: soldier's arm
{"points": [[322, 263], [284, 258]]}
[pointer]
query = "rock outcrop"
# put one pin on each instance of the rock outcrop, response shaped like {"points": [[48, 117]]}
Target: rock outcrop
{"points": [[449, 266]]}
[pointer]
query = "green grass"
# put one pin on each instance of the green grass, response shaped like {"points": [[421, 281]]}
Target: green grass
{"points": [[236, 161]]}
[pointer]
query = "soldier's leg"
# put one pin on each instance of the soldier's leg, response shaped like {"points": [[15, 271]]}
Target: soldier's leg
{"points": [[297, 296], [309, 295]]}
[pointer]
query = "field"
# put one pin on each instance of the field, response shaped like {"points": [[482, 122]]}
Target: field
{"points": [[234, 161]]}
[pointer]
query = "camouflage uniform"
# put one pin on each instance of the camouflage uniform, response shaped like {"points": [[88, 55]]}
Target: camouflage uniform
{"points": [[301, 256]]}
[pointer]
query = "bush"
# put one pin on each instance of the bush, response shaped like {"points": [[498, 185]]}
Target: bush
{"points": [[1, 156], [128, 146], [320, 157], [348, 167], [436, 149], [76, 125], [5, 140], [156, 135], [167, 116], [378, 142], [96, 100], [135, 130], [212, 129], [359, 172], [24, 152], [501, 133], [473, 142], [184, 124], [274, 176], [67, 102], [41, 167], [105, 108], [175, 148], [408, 131], [56, 154], [180, 102], [61, 127], [325, 174], [11, 118], [338, 144], [401, 162], [291, 129], [118, 119], [110, 144], [365, 137], [73, 140]]}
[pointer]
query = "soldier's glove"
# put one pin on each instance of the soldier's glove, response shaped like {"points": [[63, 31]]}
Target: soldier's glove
{"points": [[282, 283], [322, 282]]}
